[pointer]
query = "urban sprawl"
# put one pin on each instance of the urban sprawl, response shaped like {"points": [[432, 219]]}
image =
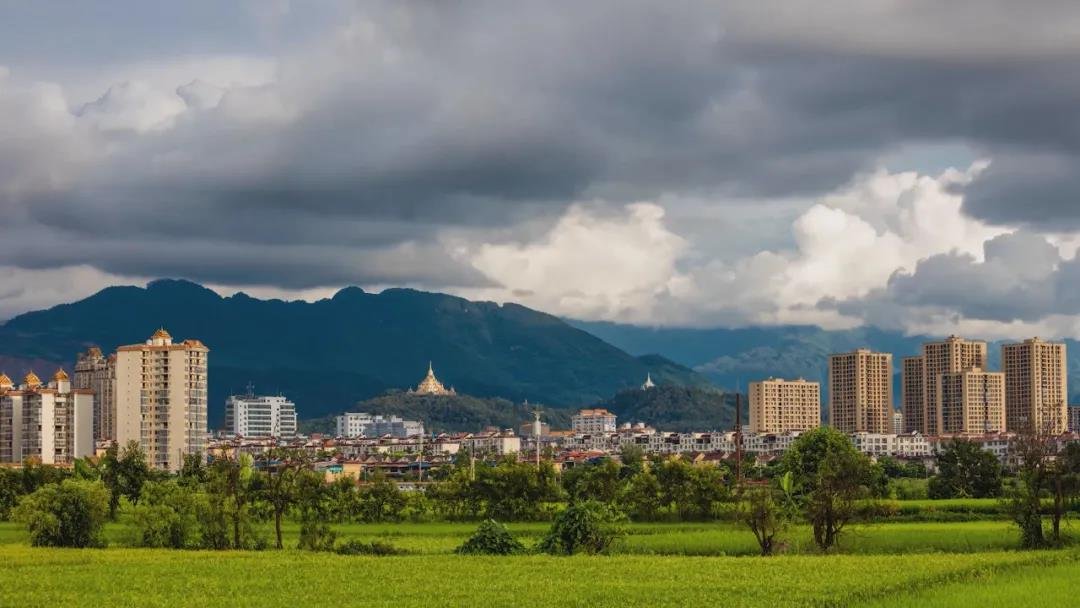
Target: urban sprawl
{"points": [[155, 394]]}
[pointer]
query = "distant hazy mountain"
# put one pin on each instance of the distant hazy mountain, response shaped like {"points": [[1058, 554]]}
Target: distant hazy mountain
{"points": [[735, 357], [329, 354]]}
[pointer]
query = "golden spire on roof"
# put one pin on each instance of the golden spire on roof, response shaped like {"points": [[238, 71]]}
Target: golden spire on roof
{"points": [[31, 379], [60, 374], [5, 382], [162, 334], [430, 385]]}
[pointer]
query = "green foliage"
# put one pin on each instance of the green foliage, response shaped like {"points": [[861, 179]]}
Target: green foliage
{"points": [[829, 476], [315, 508], [641, 498], [66, 514], [379, 500], [491, 538], [676, 408], [692, 491], [167, 515], [584, 527], [601, 481], [768, 510], [965, 470], [376, 547], [124, 471], [229, 517]]}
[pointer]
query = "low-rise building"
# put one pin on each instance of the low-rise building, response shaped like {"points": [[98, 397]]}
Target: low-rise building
{"points": [[362, 424], [597, 420]]}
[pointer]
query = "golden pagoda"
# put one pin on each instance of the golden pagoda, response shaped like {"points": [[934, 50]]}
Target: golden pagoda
{"points": [[60, 375], [5, 382], [430, 385]]}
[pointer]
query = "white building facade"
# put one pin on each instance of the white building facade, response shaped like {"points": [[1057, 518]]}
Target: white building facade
{"points": [[51, 423], [260, 416]]}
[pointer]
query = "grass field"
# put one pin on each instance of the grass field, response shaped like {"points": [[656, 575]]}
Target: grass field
{"points": [[129, 577], [889, 564], [701, 539]]}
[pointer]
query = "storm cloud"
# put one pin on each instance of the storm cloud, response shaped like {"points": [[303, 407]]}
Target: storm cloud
{"points": [[445, 145]]}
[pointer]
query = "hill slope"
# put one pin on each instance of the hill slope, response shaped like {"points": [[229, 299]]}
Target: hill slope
{"points": [[329, 354]]}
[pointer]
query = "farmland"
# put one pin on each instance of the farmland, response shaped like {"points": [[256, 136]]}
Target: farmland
{"points": [[55, 577], [657, 564]]}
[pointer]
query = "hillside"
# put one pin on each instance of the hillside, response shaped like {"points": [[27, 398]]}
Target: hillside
{"points": [[450, 413], [676, 408], [327, 355]]}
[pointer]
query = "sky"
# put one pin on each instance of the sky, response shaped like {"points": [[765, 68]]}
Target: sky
{"points": [[910, 165]]}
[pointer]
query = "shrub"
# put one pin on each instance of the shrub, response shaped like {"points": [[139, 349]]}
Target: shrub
{"points": [[316, 536], [584, 527], [167, 516], [375, 547], [68, 514], [491, 538]]}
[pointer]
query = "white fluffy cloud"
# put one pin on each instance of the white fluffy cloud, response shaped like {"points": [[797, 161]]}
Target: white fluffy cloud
{"points": [[893, 249], [589, 265]]}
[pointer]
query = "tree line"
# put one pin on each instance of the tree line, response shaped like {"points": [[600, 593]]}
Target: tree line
{"points": [[822, 481]]}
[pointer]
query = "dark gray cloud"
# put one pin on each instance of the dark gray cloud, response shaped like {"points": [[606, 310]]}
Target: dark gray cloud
{"points": [[387, 124]]}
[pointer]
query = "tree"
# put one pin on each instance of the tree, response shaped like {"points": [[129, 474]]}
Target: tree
{"points": [[829, 476], [68, 514], [315, 507], [584, 527], [632, 456], [124, 471], [11, 489], [228, 521], [768, 511], [965, 470], [641, 496], [380, 500], [601, 481], [279, 487], [167, 515]]}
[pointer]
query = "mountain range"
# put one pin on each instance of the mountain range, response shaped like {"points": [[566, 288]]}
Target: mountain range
{"points": [[733, 357], [328, 355]]}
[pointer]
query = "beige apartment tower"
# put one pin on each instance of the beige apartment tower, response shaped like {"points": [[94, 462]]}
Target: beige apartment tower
{"points": [[50, 423], [97, 373], [778, 405], [922, 374], [161, 398], [861, 392], [971, 402], [1036, 386]]}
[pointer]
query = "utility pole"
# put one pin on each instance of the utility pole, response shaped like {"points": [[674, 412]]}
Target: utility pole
{"points": [[738, 441]]}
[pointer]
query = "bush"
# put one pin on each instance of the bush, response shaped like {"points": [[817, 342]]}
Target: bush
{"points": [[316, 536], [68, 514], [585, 527], [167, 516], [375, 547], [491, 538]]}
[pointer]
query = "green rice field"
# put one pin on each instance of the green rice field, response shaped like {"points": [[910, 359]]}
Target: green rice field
{"points": [[886, 564]]}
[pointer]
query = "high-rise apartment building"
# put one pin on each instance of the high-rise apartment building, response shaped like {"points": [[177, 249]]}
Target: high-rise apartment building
{"points": [[778, 405], [161, 398], [860, 392], [51, 423], [922, 375], [97, 373], [253, 415], [971, 401], [1036, 386]]}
